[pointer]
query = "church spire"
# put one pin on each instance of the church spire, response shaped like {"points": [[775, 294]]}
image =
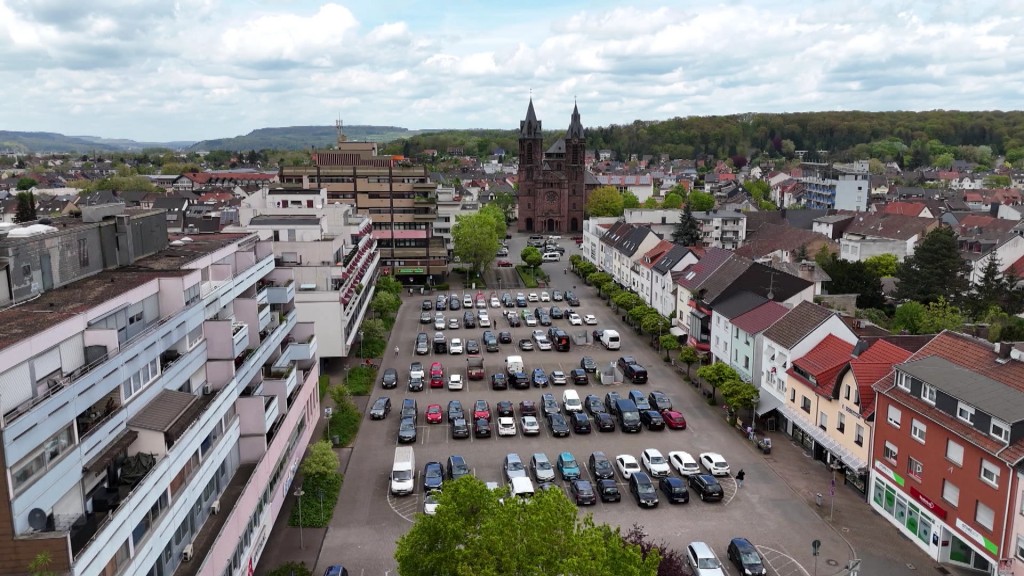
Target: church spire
{"points": [[531, 126], [575, 126]]}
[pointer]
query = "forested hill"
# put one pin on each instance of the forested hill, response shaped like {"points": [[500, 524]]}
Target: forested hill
{"points": [[844, 135], [302, 137]]}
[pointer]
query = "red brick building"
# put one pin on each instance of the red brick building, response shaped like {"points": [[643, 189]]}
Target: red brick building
{"points": [[948, 438]]}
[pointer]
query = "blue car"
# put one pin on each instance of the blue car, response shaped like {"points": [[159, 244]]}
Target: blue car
{"points": [[540, 379], [567, 466]]}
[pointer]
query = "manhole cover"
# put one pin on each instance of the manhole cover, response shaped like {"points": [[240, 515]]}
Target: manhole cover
{"points": [[831, 562], [845, 529]]}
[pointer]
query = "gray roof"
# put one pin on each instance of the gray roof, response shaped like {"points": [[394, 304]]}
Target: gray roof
{"points": [[670, 259], [590, 179], [557, 148], [163, 411], [723, 278], [996, 398], [285, 221], [631, 241], [739, 304]]}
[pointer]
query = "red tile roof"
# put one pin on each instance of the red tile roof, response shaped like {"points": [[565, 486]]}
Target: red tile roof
{"points": [[1017, 268], [760, 318], [651, 257], [904, 208], [871, 366], [824, 362]]}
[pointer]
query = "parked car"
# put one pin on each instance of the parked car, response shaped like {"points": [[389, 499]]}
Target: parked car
{"points": [[506, 426], [455, 381], [556, 423], [593, 404], [455, 346], [472, 347], [659, 401], [604, 422], [513, 467], [434, 414], [482, 428], [389, 379], [455, 410], [407, 430], [674, 490], [589, 319], [548, 404], [652, 419], [673, 419], [528, 408], [519, 381], [582, 492], [656, 464], [580, 423], [505, 337], [504, 264], [539, 378], [542, 469], [381, 408], [608, 490], [640, 399], [525, 344], [642, 487], [706, 487], [433, 476], [558, 378], [481, 409], [567, 466], [529, 425], [504, 408], [600, 466], [415, 384], [409, 409], [627, 465], [684, 463], [575, 319], [579, 377], [460, 428], [588, 364], [714, 463], [746, 557], [457, 466], [702, 560], [499, 381]]}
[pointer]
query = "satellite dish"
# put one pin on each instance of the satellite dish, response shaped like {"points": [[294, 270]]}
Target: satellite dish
{"points": [[37, 519]]}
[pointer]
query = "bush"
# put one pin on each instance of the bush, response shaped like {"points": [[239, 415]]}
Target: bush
{"points": [[527, 276], [316, 513], [360, 380], [372, 348], [443, 287], [344, 422], [291, 569], [324, 383]]}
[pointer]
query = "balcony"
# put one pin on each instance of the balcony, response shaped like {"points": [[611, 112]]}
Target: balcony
{"points": [[300, 350], [424, 200], [203, 542], [281, 292], [264, 316], [239, 337], [280, 380]]}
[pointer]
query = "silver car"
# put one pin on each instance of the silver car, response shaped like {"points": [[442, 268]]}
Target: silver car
{"points": [[543, 471]]}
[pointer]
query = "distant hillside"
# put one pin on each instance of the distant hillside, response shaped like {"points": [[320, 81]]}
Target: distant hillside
{"points": [[302, 137], [25, 142]]}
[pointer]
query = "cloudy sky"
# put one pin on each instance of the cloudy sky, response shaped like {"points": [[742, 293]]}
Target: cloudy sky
{"points": [[196, 69]]}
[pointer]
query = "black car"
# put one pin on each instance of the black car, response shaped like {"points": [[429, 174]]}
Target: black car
{"points": [[407, 431], [507, 301], [556, 313], [514, 321], [582, 492], [640, 399], [427, 305], [608, 490], [433, 476], [705, 486], [604, 422], [504, 408], [409, 409], [674, 489], [544, 320], [380, 409], [490, 343], [600, 466], [454, 303], [472, 347], [588, 364], [580, 423], [482, 428], [526, 344], [635, 373], [520, 381], [746, 557], [579, 377], [455, 410], [611, 402], [468, 320], [624, 361], [457, 467], [499, 381], [539, 378], [593, 404], [652, 419], [389, 379], [642, 487], [572, 299], [521, 302], [557, 425], [659, 401], [460, 429], [415, 384], [505, 337], [548, 404], [528, 408]]}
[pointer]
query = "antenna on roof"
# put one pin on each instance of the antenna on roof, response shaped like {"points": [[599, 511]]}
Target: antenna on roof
{"points": [[771, 286], [339, 126]]}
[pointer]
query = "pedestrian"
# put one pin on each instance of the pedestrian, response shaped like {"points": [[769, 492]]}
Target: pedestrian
{"points": [[396, 351], [750, 432], [739, 478]]}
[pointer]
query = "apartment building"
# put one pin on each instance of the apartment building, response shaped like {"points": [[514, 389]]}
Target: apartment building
{"points": [[947, 446], [155, 397], [722, 228], [399, 198], [331, 253], [842, 187], [450, 205]]}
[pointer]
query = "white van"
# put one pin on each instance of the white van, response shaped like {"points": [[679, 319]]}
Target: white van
{"points": [[610, 339], [520, 487], [551, 257], [403, 471], [571, 401], [513, 364]]}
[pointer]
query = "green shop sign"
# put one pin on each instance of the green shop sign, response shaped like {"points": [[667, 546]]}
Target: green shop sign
{"points": [[412, 270]]}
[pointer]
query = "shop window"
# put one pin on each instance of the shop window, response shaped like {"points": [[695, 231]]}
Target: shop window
{"points": [[891, 452], [918, 430], [984, 516], [894, 416], [990, 473], [954, 453], [950, 492], [914, 468]]}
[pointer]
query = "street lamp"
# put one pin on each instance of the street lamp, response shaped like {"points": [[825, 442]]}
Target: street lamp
{"points": [[320, 493], [328, 412], [298, 494], [360, 343]]}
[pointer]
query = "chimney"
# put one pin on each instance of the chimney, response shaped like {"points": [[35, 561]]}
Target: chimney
{"points": [[1003, 350]]}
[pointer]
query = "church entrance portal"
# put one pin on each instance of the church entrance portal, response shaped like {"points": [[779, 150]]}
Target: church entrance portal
{"points": [[529, 224], [552, 227], [574, 225]]}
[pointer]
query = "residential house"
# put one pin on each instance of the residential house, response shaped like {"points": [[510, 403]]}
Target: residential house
{"points": [[642, 270], [722, 329], [782, 243], [630, 241], [947, 447], [747, 338], [870, 235], [833, 225], [722, 229], [640, 185], [835, 186], [663, 284], [982, 238], [592, 247], [174, 211], [915, 209], [695, 323]]}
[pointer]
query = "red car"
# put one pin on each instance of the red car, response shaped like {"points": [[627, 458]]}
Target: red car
{"points": [[481, 409], [673, 419], [436, 375], [434, 414], [504, 264]]}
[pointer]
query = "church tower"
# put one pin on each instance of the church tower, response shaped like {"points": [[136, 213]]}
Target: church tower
{"points": [[575, 172], [531, 165]]}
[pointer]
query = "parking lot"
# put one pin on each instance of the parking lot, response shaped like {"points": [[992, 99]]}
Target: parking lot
{"points": [[370, 520]]}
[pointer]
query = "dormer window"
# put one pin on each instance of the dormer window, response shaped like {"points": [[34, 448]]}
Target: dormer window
{"points": [[928, 394], [965, 412], [903, 381], [1000, 430]]}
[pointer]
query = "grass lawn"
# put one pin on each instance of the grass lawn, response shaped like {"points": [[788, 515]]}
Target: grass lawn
{"points": [[527, 275]]}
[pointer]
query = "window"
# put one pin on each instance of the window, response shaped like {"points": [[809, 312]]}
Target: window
{"points": [[918, 430], [805, 404], [984, 516], [140, 379], [1020, 547], [42, 458], [83, 252], [191, 295], [965, 412], [954, 453], [841, 423], [894, 416], [858, 435], [989, 473], [792, 395], [891, 452], [1000, 430], [846, 392], [950, 492], [903, 381], [914, 468], [928, 394], [823, 420]]}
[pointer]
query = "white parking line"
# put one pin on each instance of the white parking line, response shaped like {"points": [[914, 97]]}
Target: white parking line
{"points": [[781, 563], [405, 507]]}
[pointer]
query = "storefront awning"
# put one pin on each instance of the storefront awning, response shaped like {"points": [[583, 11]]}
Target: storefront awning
{"points": [[821, 437], [766, 403], [677, 331]]}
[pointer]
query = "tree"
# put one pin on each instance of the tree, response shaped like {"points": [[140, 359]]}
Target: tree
{"points": [[855, 278], [629, 200], [716, 375], [476, 532], [638, 314], [669, 343], [604, 201], [700, 201], [40, 565], [788, 148], [909, 316], [385, 304], [531, 256], [935, 270], [991, 289], [26, 183], [321, 460], [824, 256], [26, 210], [917, 318], [800, 254], [498, 221], [627, 301], [739, 395], [651, 203], [373, 329], [475, 239], [688, 355], [688, 231], [389, 284], [671, 562], [291, 569], [654, 323], [598, 278], [672, 202], [883, 265]]}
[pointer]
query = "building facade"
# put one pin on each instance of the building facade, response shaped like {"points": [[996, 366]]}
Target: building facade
{"points": [[156, 406], [552, 183]]}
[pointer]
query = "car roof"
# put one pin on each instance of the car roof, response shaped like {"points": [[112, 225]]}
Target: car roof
{"points": [[701, 549], [566, 455], [743, 543]]}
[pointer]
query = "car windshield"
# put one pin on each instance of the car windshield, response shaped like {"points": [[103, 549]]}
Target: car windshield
{"points": [[515, 466], [568, 463], [645, 488], [433, 473], [543, 465], [402, 475], [657, 460], [708, 563], [407, 424], [458, 469], [630, 417], [750, 558]]}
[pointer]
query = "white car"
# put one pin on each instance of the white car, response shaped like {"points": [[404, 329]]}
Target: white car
{"points": [[627, 465], [532, 297], [455, 346], [541, 340], [530, 425], [714, 463], [495, 303], [590, 320], [545, 297], [506, 426], [684, 464], [455, 381], [530, 320], [467, 301], [416, 370], [558, 378], [655, 463], [575, 319], [429, 505], [484, 321]]}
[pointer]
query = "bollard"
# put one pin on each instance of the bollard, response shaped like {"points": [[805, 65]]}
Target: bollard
{"points": [[818, 499]]}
